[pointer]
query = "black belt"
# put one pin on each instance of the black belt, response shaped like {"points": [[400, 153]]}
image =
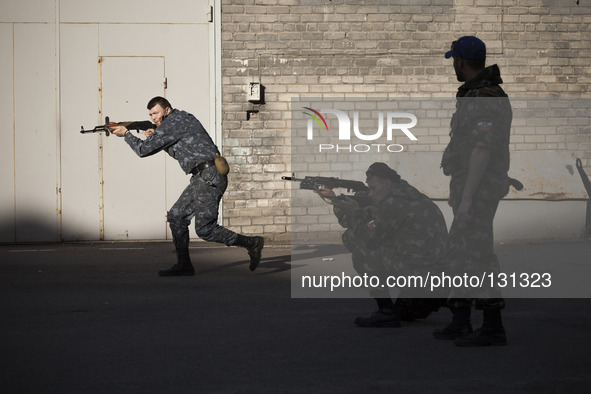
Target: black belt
{"points": [[202, 166]]}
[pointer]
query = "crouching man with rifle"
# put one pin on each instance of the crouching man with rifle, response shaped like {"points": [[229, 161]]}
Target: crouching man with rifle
{"points": [[392, 229], [182, 136]]}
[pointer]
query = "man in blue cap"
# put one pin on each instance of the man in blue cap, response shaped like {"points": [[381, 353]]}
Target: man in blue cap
{"points": [[468, 51], [477, 159]]}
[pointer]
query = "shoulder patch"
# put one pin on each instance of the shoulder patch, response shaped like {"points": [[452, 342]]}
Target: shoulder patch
{"points": [[484, 126]]}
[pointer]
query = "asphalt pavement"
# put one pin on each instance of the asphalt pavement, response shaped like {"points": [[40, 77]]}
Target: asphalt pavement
{"points": [[96, 318]]}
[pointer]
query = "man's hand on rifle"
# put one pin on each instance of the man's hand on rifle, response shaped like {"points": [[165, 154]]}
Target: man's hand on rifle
{"points": [[119, 131], [329, 196], [325, 192]]}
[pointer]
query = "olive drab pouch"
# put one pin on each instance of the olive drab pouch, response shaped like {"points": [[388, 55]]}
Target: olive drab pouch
{"points": [[221, 164]]}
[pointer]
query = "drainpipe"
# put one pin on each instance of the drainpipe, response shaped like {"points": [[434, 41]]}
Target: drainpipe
{"points": [[587, 185]]}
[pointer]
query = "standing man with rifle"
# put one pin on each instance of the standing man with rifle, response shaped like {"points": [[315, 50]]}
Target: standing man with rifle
{"points": [[477, 159], [183, 137]]}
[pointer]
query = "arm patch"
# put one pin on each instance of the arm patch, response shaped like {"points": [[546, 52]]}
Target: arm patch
{"points": [[484, 126]]}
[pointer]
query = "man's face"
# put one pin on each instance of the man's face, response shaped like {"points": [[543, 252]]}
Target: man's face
{"points": [[458, 66], [379, 188], [157, 112]]}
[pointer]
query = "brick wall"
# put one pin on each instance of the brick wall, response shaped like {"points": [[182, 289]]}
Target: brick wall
{"points": [[342, 48]]}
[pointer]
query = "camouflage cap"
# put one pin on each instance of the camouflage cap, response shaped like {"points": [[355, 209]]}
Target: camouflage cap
{"points": [[381, 170]]}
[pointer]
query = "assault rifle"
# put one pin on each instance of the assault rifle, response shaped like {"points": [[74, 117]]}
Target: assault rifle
{"points": [[320, 182], [138, 125]]}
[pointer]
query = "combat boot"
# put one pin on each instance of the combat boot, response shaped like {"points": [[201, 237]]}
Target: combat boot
{"points": [[380, 318], [492, 332], [183, 266], [383, 317], [460, 325], [254, 245]]}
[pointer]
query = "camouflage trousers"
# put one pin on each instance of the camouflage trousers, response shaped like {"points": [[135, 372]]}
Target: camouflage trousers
{"points": [[470, 250], [200, 200], [368, 261], [382, 261]]}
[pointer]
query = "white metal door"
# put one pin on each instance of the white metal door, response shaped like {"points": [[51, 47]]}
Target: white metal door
{"points": [[133, 195]]}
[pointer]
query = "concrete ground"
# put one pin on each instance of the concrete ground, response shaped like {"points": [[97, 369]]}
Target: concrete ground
{"points": [[96, 318]]}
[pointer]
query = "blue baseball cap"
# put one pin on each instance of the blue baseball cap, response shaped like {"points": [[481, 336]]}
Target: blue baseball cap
{"points": [[467, 47]]}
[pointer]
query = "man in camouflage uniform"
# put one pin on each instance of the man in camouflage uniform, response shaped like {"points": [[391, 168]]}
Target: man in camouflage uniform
{"points": [[183, 137], [393, 230], [477, 159]]}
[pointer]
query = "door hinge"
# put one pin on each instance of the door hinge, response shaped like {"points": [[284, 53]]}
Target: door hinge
{"points": [[165, 83]]}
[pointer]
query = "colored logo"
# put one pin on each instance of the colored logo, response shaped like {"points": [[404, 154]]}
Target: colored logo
{"points": [[317, 117]]}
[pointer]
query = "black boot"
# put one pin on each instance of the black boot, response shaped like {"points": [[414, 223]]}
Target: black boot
{"points": [[460, 325], [383, 317], [492, 332], [254, 245], [183, 267]]}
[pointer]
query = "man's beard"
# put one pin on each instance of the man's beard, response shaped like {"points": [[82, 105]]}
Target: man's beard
{"points": [[460, 75]]}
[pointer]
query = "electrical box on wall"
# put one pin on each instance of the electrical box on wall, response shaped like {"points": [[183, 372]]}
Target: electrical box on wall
{"points": [[256, 93]]}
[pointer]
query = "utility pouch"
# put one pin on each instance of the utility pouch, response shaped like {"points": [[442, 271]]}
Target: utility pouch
{"points": [[221, 164]]}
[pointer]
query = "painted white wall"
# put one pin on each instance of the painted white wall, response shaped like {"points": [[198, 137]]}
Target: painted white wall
{"points": [[7, 197], [60, 184]]}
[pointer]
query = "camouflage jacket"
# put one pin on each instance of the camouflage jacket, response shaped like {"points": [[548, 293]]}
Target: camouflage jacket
{"points": [[407, 223], [182, 136], [482, 119]]}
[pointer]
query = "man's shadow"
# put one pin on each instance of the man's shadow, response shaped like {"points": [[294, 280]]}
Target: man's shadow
{"points": [[278, 264]]}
